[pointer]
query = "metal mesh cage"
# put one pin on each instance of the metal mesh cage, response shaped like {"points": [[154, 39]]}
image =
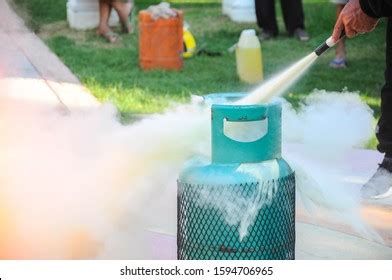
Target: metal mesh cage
{"points": [[205, 233]]}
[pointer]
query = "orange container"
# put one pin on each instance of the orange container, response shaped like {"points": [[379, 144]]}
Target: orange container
{"points": [[160, 42]]}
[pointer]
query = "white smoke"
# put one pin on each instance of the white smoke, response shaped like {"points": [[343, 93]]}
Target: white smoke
{"points": [[317, 139], [277, 85], [329, 122], [82, 185], [83, 178]]}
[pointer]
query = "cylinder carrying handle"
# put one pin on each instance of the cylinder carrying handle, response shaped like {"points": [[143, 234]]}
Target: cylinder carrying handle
{"points": [[227, 150]]}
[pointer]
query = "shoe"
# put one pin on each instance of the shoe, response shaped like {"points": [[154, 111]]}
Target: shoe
{"points": [[338, 63], [266, 35], [301, 34], [380, 185]]}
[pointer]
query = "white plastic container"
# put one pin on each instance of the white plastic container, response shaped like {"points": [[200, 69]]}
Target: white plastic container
{"points": [[226, 7], [84, 14], [243, 11], [249, 57]]}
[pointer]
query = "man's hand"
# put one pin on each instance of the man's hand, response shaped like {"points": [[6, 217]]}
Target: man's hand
{"points": [[353, 21]]}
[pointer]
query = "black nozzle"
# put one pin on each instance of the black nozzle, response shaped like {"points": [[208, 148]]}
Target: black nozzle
{"points": [[327, 44], [322, 49]]}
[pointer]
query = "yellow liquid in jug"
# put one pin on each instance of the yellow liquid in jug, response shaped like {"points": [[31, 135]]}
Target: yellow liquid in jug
{"points": [[249, 65]]}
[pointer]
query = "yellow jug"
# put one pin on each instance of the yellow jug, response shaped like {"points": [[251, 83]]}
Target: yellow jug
{"points": [[249, 57]]}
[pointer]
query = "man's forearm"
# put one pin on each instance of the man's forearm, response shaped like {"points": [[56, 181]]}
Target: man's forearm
{"points": [[377, 8]]}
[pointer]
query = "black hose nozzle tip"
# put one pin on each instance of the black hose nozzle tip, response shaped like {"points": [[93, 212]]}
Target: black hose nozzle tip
{"points": [[322, 49]]}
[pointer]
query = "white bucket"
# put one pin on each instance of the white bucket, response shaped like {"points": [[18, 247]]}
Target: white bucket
{"points": [[84, 14], [226, 7], [243, 11]]}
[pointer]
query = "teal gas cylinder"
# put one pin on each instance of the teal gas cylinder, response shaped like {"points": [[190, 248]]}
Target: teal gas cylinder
{"points": [[241, 203]]}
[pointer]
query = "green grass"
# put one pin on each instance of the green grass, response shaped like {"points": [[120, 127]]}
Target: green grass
{"points": [[40, 12], [111, 72]]}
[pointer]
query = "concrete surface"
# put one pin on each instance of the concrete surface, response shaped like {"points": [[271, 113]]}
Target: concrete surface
{"points": [[29, 70]]}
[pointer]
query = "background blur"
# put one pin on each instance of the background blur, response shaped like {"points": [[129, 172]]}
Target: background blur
{"points": [[111, 72]]}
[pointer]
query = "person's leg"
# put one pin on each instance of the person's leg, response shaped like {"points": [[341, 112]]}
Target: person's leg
{"points": [[381, 182], [340, 49], [123, 9], [266, 16], [103, 27], [293, 15], [384, 131]]}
